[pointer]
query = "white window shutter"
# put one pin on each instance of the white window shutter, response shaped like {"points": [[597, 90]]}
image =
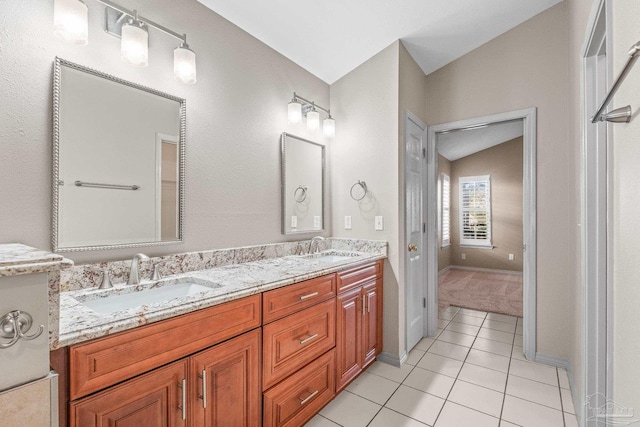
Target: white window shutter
{"points": [[475, 210]]}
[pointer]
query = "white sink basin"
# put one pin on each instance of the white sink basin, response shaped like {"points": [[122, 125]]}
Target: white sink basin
{"points": [[129, 300]]}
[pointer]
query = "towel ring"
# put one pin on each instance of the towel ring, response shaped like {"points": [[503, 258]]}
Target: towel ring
{"points": [[359, 190], [300, 194]]}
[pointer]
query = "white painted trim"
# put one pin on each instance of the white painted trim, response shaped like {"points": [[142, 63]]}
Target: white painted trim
{"points": [[554, 361], [393, 359], [485, 270], [529, 233], [173, 139]]}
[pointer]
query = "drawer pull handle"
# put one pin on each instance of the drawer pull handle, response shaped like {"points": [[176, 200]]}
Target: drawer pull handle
{"points": [[183, 385], [307, 339], [203, 396], [363, 305], [311, 295], [308, 398], [368, 303]]}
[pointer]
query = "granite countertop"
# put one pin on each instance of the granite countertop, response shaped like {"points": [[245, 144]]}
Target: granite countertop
{"points": [[80, 323], [17, 259]]}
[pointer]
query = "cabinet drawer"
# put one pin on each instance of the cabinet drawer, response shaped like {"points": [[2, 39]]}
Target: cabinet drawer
{"points": [[294, 341], [351, 278], [106, 361], [284, 301], [298, 398]]}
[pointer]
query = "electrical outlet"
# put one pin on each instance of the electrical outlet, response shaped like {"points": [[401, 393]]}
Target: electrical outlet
{"points": [[512, 257], [463, 256], [379, 223], [294, 221], [347, 222], [316, 222]]}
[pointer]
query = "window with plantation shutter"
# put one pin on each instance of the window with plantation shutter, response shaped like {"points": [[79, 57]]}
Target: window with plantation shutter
{"points": [[475, 210], [445, 212]]}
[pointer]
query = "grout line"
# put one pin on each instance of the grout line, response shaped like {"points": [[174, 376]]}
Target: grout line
{"points": [[564, 422]]}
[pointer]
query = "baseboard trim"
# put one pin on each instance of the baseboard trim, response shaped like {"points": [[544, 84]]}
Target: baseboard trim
{"points": [[392, 359], [554, 361], [484, 270], [444, 270], [565, 364]]}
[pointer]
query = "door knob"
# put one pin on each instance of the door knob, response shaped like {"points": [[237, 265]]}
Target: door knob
{"points": [[413, 248]]}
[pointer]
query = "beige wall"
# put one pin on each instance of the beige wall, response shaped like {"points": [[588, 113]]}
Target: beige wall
{"points": [[235, 115], [626, 203], [527, 67], [366, 148], [504, 163], [444, 253]]}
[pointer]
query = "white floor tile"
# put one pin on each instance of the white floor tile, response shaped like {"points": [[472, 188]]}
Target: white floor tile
{"points": [[424, 344], [491, 346], [452, 309], [429, 382], [349, 410], [475, 397], [449, 350], [387, 417], [446, 316], [492, 334], [442, 323], [518, 340], [488, 360], [500, 326], [534, 371], [463, 328], [519, 330], [390, 372], [570, 420], [483, 377], [454, 415], [416, 404], [320, 421], [534, 391], [529, 414], [505, 318], [504, 423], [518, 353], [469, 320], [564, 378], [414, 356], [373, 387], [440, 364], [567, 401], [456, 338], [474, 313]]}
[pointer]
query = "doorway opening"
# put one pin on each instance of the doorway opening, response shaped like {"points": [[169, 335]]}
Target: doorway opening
{"points": [[480, 202]]}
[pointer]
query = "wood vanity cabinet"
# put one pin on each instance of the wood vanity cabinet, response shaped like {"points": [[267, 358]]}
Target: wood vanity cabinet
{"points": [[358, 321]]}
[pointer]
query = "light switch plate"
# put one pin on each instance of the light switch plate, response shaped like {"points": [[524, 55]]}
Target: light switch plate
{"points": [[463, 256], [347, 222], [294, 221], [512, 257], [316, 222], [379, 223]]}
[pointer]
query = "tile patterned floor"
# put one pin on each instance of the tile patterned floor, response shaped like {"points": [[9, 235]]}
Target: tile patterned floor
{"points": [[472, 375]]}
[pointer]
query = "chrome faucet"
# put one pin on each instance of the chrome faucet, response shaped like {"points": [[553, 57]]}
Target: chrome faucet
{"points": [[316, 240], [134, 275]]}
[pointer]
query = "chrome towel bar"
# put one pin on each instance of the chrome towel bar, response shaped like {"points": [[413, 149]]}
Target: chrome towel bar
{"points": [[113, 186]]}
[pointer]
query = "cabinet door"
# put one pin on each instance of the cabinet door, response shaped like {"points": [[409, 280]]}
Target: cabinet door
{"points": [[348, 337], [225, 386], [371, 328], [151, 400]]}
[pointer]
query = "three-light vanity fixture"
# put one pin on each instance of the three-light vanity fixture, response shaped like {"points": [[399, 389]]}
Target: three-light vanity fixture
{"points": [[70, 22], [299, 107]]}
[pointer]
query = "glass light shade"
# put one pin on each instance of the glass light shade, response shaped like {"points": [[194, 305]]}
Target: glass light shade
{"points": [[295, 112], [135, 45], [329, 127], [70, 21], [184, 65], [313, 120]]}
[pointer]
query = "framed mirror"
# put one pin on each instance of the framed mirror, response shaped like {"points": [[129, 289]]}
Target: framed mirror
{"points": [[118, 162], [303, 176]]}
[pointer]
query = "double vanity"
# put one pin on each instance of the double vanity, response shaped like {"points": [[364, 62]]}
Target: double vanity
{"points": [[268, 340]]}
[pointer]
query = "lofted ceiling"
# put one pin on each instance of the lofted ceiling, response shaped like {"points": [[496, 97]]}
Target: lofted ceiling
{"points": [[462, 143], [329, 38]]}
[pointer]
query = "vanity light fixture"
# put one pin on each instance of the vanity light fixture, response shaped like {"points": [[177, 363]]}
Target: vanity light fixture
{"points": [[299, 107], [71, 23]]}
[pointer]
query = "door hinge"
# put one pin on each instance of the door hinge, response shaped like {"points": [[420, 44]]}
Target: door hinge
{"points": [[424, 303], [424, 227], [424, 153]]}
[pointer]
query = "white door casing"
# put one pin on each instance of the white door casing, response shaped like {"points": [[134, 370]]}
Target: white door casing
{"points": [[414, 137]]}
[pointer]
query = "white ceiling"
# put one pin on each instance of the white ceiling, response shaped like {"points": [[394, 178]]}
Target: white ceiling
{"points": [[329, 38], [462, 143]]}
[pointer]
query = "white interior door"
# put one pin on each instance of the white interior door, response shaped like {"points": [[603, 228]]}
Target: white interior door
{"points": [[414, 259]]}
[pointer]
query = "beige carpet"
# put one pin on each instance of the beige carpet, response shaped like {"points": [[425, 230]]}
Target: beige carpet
{"points": [[493, 292]]}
